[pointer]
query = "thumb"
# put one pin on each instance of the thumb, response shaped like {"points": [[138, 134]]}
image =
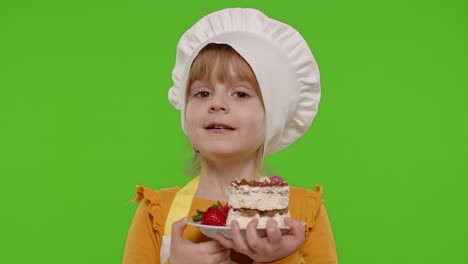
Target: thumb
{"points": [[178, 229]]}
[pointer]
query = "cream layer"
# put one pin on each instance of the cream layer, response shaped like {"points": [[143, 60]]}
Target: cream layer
{"points": [[259, 198]]}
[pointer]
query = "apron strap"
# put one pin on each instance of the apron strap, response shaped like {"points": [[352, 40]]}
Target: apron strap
{"points": [[181, 204]]}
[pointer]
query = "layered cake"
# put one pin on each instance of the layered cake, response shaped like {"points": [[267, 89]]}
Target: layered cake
{"points": [[263, 199]]}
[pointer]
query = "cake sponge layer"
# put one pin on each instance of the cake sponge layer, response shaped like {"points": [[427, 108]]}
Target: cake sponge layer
{"points": [[244, 220]]}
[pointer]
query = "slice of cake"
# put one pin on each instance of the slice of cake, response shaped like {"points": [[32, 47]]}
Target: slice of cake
{"points": [[263, 199]]}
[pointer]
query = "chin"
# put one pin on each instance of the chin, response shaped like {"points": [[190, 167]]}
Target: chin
{"points": [[226, 153], [220, 152]]}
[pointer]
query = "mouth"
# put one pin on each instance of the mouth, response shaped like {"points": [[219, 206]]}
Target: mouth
{"points": [[219, 127]]}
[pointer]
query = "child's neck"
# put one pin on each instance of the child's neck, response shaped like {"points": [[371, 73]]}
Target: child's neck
{"points": [[215, 177]]}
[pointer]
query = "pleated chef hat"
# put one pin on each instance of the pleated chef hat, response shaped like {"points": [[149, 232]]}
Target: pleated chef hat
{"points": [[278, 55]]}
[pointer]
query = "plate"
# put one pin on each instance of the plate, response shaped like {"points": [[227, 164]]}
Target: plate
{"points": [[211, 231]]}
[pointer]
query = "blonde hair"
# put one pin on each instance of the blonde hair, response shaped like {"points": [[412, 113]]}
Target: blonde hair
{"points": [[216, 61]]}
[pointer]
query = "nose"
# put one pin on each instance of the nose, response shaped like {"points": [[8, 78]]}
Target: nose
{"points": [[219, 104], [216, 108]]}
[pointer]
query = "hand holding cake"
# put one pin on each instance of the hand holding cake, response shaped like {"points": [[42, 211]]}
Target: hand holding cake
{"points": [[272, 247], [261, 204], [256, 204]]}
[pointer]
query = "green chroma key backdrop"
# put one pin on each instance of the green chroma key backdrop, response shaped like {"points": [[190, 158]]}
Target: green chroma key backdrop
{"points": [[84, 117]]}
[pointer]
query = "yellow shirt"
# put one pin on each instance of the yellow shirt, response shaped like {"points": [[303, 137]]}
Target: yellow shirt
{"points": [[144, 239]]}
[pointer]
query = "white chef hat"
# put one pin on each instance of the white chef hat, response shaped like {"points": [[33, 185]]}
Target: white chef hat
{"points": [[278, 55]]}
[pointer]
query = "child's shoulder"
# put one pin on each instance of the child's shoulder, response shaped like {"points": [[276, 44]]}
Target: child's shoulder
{"points": [[154, 205], [305, 203], [300, 191], [161, 196]]}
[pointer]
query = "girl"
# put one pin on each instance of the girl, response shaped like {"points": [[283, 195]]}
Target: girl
{"points": [[247, 86]]}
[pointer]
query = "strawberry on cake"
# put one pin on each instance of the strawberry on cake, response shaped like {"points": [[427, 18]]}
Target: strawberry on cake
{"points": [[215, 215], [262, 199]]}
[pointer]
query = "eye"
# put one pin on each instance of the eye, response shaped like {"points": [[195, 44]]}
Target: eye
{"points": [[202, 94], [241, 95]]}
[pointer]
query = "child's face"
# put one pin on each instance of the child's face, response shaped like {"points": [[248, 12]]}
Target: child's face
{"points": [[225, 119]]}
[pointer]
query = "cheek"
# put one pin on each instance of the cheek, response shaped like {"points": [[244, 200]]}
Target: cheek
{"points": [[257, 122], [261, 125], [190, 118]]}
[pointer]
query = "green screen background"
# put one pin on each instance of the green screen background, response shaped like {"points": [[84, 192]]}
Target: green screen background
{"points": [[84, 117]]}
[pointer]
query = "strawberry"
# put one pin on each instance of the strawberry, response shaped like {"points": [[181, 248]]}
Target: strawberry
{"points": [[215, 215], [277, 179], [224, 209]]}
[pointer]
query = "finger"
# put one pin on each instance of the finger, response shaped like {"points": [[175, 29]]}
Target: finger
{"points": [[227, 243], [273, 232], [239, 242], [296, 227], [178, 229], [211, 247], [221, 256], [253, 240]]}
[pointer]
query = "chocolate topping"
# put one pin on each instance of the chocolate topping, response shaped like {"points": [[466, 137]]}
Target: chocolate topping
{"points": [[254, 183]]}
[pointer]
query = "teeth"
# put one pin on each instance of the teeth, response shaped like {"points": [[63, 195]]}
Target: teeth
{"points": [[218, 127]]}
